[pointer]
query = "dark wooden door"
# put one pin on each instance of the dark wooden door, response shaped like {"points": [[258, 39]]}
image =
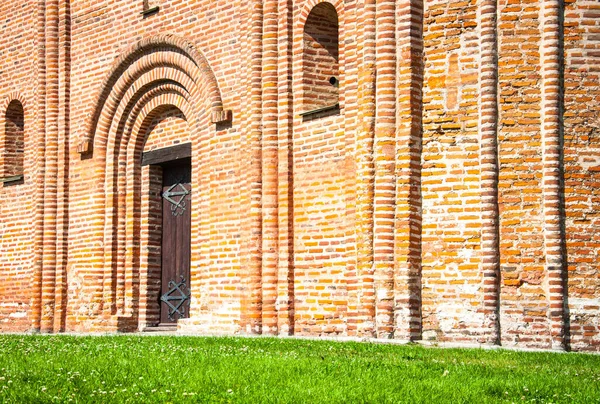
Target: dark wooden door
{"points": [[176, 238]]}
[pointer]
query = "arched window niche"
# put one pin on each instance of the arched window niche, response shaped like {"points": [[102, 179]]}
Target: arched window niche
{"points": [[320, 60], [14, 143]]}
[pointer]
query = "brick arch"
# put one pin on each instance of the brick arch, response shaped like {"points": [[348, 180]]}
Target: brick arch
{"points": [[122, 194], [128, 126], [309, 5], [151, 56], [13, 96], [146, 87], [139, 189]]}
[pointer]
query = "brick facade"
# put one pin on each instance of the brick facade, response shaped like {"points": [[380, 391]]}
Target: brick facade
{"points": [[408, 169]]}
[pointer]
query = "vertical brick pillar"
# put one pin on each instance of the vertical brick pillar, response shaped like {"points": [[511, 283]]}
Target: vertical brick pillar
{"points": [[251, 317], [385, 153], [285, 276], [51, 167], [270, 249], [365, 169], [488, 160], [551, 63], [349, 106], [36, 305], [409, 112], [63, 164]]}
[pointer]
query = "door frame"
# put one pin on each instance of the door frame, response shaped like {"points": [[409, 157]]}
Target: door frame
{"points": [[152, 165]]}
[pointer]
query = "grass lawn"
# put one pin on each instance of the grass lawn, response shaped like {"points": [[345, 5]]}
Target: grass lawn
{"points": [[193, 369]]}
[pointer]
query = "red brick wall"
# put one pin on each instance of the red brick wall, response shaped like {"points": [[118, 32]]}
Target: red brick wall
{"points": [[101, 32], [451, 193], [429, 206], [523, 294], [17, 199], [319, 175]]}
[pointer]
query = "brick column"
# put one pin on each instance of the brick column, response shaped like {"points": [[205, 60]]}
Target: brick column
{"points": [[551, 130], [365, 169], [385, 151], [409, 113], [36, 306], [488, 160], [62, 240], [285, 185], [251, 317], [270, 249], [349, 106], [51, 167]]}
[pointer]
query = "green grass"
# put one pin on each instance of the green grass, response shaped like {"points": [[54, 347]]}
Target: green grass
{"points": [[191, 369]]}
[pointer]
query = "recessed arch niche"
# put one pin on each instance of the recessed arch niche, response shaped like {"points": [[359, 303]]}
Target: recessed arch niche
{"points": [[155, 75]]}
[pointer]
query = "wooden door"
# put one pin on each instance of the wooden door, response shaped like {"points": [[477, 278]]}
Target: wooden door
{"points": [[176, 238]]}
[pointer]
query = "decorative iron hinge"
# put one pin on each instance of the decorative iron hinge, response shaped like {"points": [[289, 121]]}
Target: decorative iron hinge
{"points": [[177, 206], [176, 301]]}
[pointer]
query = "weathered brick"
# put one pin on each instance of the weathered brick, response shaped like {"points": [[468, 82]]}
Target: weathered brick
{"points": [[444, 187]]}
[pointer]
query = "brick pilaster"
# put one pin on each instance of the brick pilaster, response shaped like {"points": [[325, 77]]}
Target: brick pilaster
{"points": [[488, 160], [63, 158], [51, 166], [252, 295], [349, 102], [36, 304], [384, 149], [365, 168], [407, 235], [270, 248], [285, 184], [551, 131]]}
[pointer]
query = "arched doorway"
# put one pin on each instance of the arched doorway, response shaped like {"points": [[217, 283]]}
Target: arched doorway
{"points": [[158, 75], [167, 176]]}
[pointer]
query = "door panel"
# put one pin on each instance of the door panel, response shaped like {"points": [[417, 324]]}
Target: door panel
{"points": [[176, 238]]}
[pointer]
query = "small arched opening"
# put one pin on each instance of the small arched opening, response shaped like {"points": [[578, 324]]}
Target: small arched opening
{"points": [[320, 58], [14, 141]]}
